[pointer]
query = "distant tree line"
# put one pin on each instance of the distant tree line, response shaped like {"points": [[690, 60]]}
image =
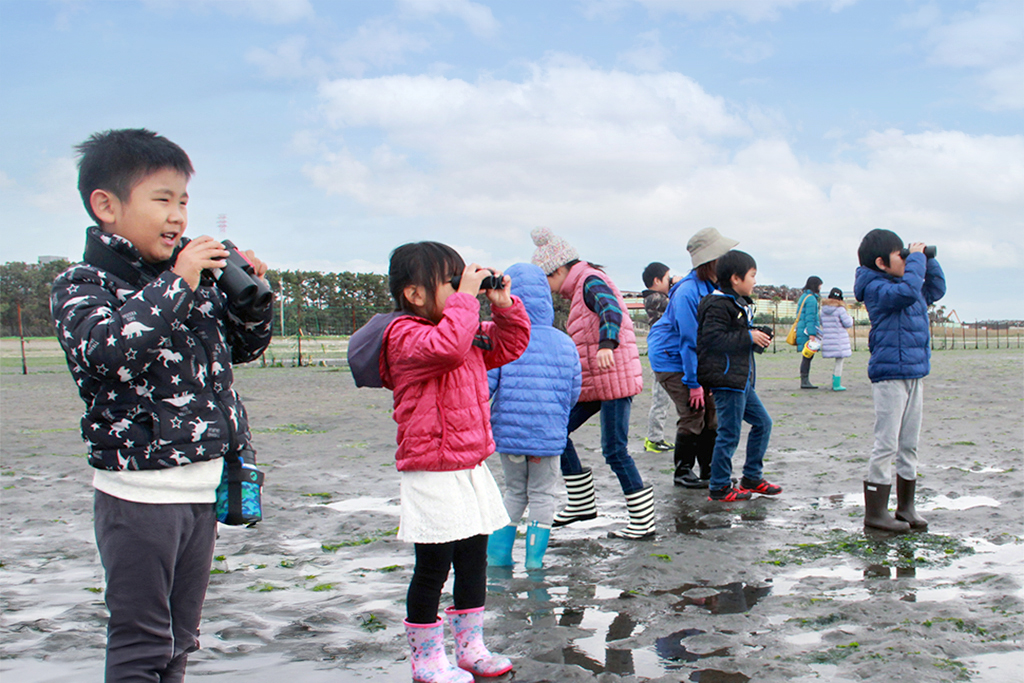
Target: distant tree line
{"points": [[317, 303], [27, 285]]}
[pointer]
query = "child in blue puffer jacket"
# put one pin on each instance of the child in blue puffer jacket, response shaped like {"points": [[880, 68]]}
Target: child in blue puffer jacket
{"points": [[532, 397], [897, 286]]}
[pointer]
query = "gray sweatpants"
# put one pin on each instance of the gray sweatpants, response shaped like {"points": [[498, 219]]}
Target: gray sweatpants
{"points": [[898, 406], [531, 481], [157, 561], [660, 403]]}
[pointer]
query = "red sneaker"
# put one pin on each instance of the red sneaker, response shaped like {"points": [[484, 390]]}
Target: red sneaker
{"points": [[762, 487], [729, 495]]}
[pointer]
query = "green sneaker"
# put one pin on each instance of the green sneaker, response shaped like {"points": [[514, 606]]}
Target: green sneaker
{"points": [[657, 446]]}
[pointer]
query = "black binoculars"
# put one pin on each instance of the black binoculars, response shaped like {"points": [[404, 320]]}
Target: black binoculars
{"points": [[767, 330], [238, 280], [929, 252], [492, 281]]}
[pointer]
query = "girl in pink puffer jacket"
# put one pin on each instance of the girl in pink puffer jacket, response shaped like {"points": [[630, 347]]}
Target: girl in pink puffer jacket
{"points": [[435, 360]]}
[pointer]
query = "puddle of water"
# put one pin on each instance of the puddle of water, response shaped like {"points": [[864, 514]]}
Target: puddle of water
{"points": [[731, 598], [977, 469], [961, 503], [836, 500], [716, 676], [365, 504], [672, 648], [997, 667], [597, 653]]}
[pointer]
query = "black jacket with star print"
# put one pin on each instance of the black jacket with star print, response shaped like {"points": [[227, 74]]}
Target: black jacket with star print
{"points": [[153, 361]]}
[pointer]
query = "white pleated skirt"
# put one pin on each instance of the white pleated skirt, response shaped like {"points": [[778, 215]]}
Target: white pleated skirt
{"points": [[440, 507]]}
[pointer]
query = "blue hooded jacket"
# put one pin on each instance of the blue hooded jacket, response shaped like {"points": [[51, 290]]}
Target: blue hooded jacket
{"points": [[532, 395], [672, 341], [898, 309]]}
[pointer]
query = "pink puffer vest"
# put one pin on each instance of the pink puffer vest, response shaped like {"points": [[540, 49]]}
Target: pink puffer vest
{"points": [[623, 379]]}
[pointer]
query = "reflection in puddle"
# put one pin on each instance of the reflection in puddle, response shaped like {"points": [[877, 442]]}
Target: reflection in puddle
{"points": [[597, 654], [732, 598]]}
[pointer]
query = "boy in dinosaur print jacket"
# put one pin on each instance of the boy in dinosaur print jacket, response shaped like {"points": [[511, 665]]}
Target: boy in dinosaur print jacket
{"points": [[151, 349]]}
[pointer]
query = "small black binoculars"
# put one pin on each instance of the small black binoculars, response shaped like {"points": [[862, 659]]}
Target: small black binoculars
{"points": [[929, 252], [492, 281], [767, 330], [238, 280]]}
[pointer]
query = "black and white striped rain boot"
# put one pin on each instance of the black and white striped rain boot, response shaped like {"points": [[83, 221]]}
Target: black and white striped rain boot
{"points": [[582, 501], [640, 505]]}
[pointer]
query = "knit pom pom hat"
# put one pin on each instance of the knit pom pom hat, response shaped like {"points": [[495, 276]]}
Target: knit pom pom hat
{"points": [[552, 251]]}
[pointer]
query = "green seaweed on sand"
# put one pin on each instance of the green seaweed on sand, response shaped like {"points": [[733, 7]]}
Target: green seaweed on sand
{"points": [[907, 551], [371, 623], [375, 536]]}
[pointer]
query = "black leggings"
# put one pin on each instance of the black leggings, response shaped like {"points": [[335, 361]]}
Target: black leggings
{"points": [[468, 556]]}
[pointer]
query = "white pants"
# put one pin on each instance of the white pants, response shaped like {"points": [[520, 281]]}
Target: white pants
{"points": [[838, 370], [898, 405]]}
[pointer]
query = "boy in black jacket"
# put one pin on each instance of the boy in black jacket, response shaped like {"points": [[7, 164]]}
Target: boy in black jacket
{"points": [[150, 347], [726, 343]]}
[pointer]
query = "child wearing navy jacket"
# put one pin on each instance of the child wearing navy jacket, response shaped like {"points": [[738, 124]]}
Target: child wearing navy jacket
{"points": [[726, 344], [897, 286]]}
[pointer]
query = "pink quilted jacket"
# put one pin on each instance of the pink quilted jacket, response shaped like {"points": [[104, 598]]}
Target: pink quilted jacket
{"points": [[623, 379], [439, 380]]}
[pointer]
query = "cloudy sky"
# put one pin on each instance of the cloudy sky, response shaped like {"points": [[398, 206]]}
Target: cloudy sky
{"points": [[329, 132]]}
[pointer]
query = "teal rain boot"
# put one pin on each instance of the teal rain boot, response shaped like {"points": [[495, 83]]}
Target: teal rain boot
{"points": [[499, 547], [836, 386], [536, 544]]}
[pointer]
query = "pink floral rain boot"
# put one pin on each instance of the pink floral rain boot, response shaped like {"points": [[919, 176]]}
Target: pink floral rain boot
{"points": [[430, 664], [470, 651]]}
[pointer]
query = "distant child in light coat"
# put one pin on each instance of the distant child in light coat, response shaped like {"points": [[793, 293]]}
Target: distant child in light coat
{"points": [[532, 397], [835, 340]]}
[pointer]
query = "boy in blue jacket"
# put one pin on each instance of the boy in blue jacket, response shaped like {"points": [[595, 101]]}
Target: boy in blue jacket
{"points": [[532, 398], [897, 286], [150, 346]]}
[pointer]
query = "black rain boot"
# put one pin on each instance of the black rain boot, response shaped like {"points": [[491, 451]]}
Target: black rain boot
{"points": [[705, 452], [684, 456], [876, 509], [805, 373], [905, 512]]}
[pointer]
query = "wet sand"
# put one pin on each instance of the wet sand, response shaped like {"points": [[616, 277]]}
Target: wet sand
{"points": [[787, 588]]}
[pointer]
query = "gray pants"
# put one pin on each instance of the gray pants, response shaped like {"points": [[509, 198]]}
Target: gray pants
{"points": [[531, 481], [898, 404], [157, 561], [660, 403]]}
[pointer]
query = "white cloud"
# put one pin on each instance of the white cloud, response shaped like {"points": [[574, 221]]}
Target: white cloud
{"points": [[263, 11], [648, 55], [751, 10], [478, 18], [377, 44], [55, 188], [619, 162], [989, 39]]}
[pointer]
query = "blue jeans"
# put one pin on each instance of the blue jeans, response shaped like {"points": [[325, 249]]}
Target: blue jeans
{"points": [[735, 408], [614, 440]]}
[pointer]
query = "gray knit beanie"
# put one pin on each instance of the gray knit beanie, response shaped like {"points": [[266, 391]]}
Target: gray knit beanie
{"points": [[552, 251]]}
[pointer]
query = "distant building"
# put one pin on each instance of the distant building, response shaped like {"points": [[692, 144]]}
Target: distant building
{"points": [[43, 260]]}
